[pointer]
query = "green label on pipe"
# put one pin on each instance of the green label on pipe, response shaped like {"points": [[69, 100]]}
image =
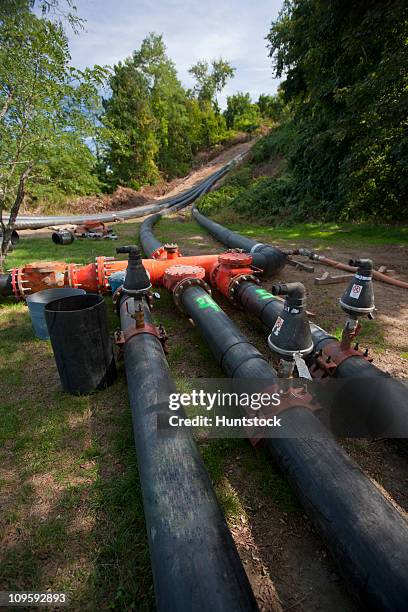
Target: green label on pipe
{"points": [[264, 294], [206, 301]]}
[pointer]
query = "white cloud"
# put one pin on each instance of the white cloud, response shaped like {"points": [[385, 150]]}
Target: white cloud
{"points": [[192, 30]]}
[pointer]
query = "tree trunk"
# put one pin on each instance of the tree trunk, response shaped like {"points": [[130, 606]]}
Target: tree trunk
{"points": [[7, 229]]}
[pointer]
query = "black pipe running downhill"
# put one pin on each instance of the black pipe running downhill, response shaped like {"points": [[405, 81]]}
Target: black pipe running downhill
{"points": [[147, 239], [188, 196], [194, 560], [265, 256], [367, 536], [382, 400]]}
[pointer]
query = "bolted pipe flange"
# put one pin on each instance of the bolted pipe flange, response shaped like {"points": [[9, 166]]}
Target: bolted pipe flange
{"points": [[185, 284], [72, 276], [17, 283], [232, 259], [101, 270], [159, 253], [174, 274], [236, 282], [327, 360]]}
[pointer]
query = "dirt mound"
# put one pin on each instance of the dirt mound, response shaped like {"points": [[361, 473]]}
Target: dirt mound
{"points": [[122, 198]]}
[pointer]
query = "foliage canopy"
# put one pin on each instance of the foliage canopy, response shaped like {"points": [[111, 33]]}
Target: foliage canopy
{"points": [[43, 107], [346, 69]]}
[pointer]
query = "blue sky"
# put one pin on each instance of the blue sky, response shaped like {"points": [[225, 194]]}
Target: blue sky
{"points": [[192, 30]]}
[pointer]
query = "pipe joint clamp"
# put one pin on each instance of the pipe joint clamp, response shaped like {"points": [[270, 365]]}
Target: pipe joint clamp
{"points": [[238, 280], [184, 284]]}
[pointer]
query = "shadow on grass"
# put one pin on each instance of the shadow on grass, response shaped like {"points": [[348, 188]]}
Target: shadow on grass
{"points": [[71, 514]]}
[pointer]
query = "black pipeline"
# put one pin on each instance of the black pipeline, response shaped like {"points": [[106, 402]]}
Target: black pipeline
{"points": [[5, 285], [188, 196], [379, 398], [384, 397], [367, 536], [147, 239], [269, 258], [194, 560]]}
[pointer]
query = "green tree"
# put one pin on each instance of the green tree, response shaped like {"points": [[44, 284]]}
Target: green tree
{"points": [[211, 80], [42, 98], [69, 170], [146, 118], [129, 129], [272, 107], [346, 73], [241, 114], [237, 105], [152, 125]]}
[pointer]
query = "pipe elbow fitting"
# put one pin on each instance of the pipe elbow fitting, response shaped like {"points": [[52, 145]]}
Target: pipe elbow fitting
{"points": [[364, 266], [292, 291]]}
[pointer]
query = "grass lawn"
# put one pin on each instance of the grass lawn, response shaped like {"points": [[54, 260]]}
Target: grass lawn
{"points": [[71, 514], [324, 234]]}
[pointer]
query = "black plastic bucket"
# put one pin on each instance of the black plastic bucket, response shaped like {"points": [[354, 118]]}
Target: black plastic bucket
{"points": [[81, 343]]}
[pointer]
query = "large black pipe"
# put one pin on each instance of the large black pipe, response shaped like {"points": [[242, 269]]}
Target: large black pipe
{"points": [[367, 536], [5, 285], [147, 239], [269, 258], [267, 310], [381, 399], [188, 196], [195, 563]]}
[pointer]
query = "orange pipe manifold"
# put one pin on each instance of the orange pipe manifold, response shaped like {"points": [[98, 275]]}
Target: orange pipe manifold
{"points": [[222, 271]]}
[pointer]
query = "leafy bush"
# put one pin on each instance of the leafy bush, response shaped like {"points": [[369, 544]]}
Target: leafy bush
{"points": [[278, 142], [269, 200], [346, 83], [234, 184]]}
